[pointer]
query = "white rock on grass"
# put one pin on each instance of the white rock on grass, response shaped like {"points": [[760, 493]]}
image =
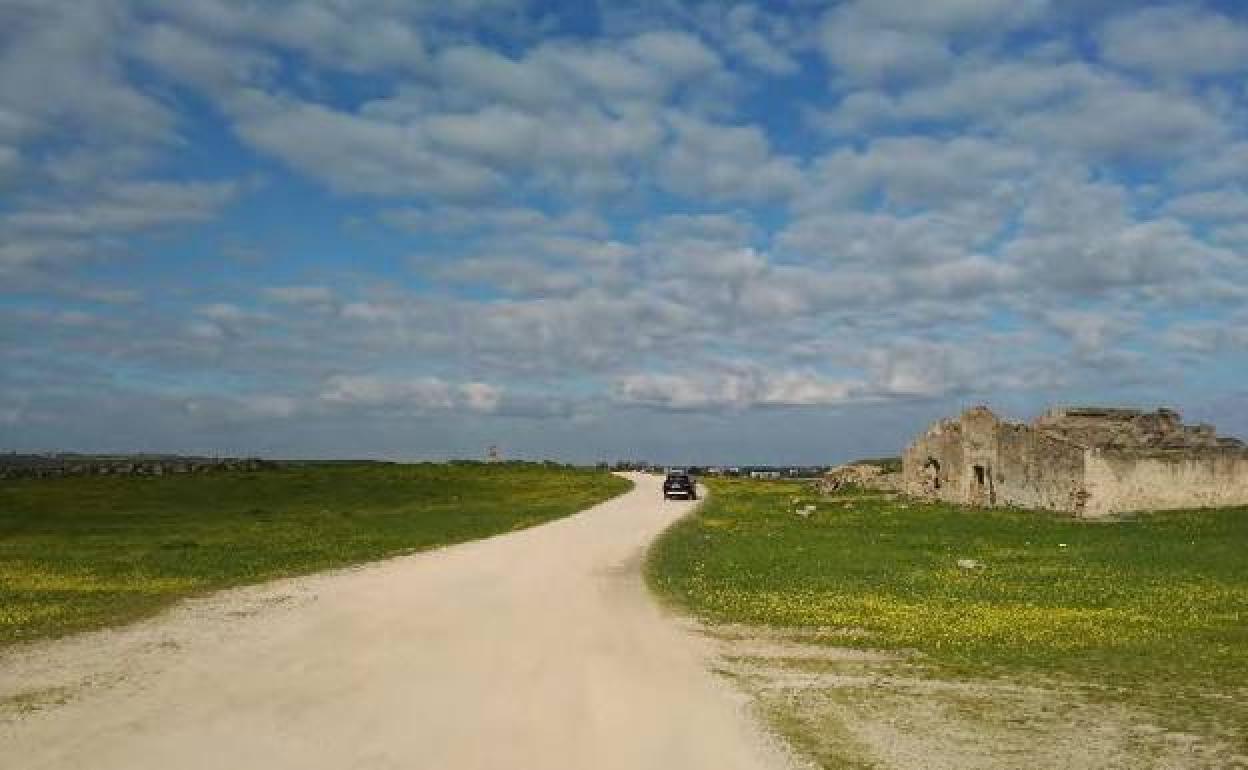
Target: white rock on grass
{"points": [[970, 564]]}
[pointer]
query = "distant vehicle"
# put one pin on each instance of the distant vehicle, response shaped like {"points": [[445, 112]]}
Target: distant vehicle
{"points": [[679, 484]]}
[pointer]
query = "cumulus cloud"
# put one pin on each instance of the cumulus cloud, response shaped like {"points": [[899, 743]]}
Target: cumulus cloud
{"points": [[10, 160], [911, 171], [1211, 205], [301, 295], [860, 48], [730, 390], [126, 207], [61, 69], [1092, 333], [1175, 40], [355, 153], [893, 41], [1114, 120], [726, 163], [408, 395], [472, 212], [568, 117], [765, 41]]}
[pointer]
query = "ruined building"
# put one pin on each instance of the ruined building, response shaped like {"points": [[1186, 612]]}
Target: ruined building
{"points": [[1089, 461]]}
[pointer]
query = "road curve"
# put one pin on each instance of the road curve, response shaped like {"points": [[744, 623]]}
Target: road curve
{"points": [[537, 650]]}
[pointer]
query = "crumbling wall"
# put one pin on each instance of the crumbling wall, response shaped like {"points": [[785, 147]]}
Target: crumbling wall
{"points": [[1092, 461], [932, 466], [1125, 428], [1121, 480], [1035, 470], [985, 461]]}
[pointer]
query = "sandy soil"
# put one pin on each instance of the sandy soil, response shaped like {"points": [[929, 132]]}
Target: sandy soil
{"points": [[538, 649], [862, 708]]}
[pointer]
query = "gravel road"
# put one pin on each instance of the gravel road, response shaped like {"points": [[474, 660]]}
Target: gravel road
{"points": [[537, 650]]}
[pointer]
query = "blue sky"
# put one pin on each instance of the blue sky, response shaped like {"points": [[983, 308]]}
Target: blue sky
{"points": [[712, 232]]}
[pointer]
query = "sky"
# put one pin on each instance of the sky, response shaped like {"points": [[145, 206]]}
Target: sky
{"points": [[783, 232]]}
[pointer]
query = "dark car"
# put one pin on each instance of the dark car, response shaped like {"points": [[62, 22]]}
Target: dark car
{"points": [[679, 484]]}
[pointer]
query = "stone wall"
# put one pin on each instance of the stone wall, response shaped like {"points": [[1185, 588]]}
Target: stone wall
{"points": [[977, 459], [1120, 480], [38, 466], [932, 465], [1089, 461], [1038, 471]]}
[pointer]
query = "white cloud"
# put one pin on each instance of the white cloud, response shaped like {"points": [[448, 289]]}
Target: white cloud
{"points": [[568, 118], [508, 220], [913, 171], [1176, 40], [1211, 205], [676, 54], [886, 240], [409, 395], [859, 48], [726, 163], [361, 37], [513, 275], [741, 389], [763, 40], [305, 296], [988, 91], [490, 75], [481, 397], [208, 64], [1114, 120], [881, 41], [60, 71], [1206, 337], [128, 206], [355, 153], [565, 214], [916, 368], [10, 162], [955, 16], [271, 406], [1158, 254], [1216, 165], [1092, 333]]}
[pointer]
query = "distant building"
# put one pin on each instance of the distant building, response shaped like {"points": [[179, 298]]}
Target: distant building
{"points": [[1088, 460]]}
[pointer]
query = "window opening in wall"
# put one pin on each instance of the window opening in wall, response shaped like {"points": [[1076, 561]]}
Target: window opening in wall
{"points": [[932, 469], [980, 475]]}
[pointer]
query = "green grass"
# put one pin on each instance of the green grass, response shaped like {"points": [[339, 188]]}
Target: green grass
{"points": [[78, 553], [1153, 609]]}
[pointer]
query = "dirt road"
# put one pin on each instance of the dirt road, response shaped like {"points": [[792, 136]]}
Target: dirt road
{"points": [[537, 650]]}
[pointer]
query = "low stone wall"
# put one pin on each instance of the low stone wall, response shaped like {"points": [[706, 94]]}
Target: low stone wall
{"points": [[56, 468], [1119, 481]]}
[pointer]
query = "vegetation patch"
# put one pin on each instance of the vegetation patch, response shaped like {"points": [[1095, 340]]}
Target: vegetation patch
{"points": [[1150, 611], [82, 552]]}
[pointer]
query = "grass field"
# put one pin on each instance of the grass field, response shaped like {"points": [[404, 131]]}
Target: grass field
{"points": [[78, 553], [1152, 611]]}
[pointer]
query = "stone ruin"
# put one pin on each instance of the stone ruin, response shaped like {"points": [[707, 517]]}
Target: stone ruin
{"points": [[1089, 461], [16, 466], [862, 474]]}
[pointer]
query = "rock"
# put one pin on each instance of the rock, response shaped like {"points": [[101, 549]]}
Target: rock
{"points": [[970, 564]]}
